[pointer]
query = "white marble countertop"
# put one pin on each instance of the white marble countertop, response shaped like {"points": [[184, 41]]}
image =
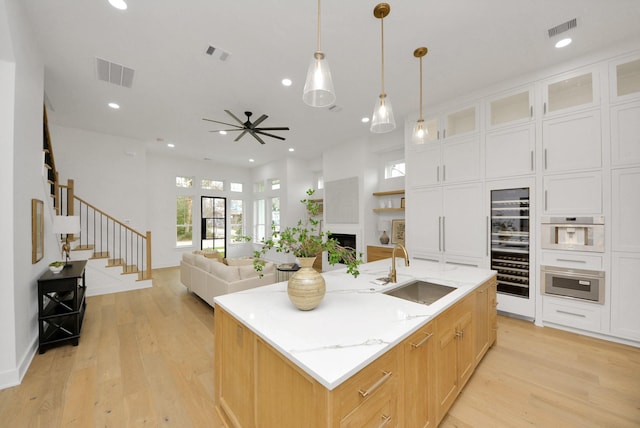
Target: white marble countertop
{"points": [[355, 323]]}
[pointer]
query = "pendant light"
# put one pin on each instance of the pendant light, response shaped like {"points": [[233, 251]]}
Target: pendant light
{"points": [[420, 131], [382, 120], [318, 88]]}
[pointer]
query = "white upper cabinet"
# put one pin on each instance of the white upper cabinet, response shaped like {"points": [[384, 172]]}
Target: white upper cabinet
{"points": [[510, 152], [570, 92], [461, 122], [460, 160], [572, 142], [512, 108], [625, 78], [625, 209], [625, 134], [573, 194], [423, 166]]}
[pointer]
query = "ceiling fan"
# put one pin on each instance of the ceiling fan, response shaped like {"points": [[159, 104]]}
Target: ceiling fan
{"points": [[249, 127]]}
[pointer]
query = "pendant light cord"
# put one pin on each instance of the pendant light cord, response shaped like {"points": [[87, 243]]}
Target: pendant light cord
{"points": [[421, 88], [382, 43], [318, 25]]}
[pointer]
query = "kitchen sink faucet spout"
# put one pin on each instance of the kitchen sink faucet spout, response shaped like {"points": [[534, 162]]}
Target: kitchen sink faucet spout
{"points": [[393, 275]]}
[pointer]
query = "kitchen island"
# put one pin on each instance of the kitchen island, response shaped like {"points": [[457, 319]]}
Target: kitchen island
{"points": [[360, 358]]}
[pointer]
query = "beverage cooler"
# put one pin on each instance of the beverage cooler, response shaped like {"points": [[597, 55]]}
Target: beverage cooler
{"points": [[510, 240]]}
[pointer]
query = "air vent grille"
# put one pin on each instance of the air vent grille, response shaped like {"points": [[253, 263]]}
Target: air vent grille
{"points": [[566, 26], [111, 72], [213, 51]]}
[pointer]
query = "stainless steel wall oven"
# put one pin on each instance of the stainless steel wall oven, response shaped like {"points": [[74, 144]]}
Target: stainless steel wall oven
{"points": [[577, 283]]}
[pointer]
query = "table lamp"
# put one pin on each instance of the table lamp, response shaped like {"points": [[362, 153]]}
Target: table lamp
{"points": [[66, 225]]}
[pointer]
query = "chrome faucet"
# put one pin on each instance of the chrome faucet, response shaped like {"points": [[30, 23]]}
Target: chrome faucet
{"points": [[392, 275]]}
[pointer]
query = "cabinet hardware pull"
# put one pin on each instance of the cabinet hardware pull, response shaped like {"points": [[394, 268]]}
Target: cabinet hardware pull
{"points": [[444, 134], [439, 233], [571, 260], [378, 384], [545, 200], [532, 160], [422, 342], [438, 174], [385, 421], [544, 109], [438, 136], [444, 237], [570, 313], [545, 159], [459, 333], [444, 173], [531, 111]]}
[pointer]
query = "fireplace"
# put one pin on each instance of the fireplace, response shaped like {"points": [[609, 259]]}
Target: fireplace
{"points": [[346, 240]]}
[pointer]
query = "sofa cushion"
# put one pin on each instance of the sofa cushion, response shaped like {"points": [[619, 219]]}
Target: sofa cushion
{"points": [[247, 271], [268, 268], [213, 255], [224, 272], [242, 261], [189, 258], [202, 262]]}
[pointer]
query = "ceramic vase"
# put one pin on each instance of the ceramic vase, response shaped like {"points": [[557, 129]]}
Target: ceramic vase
{"points": [[384, 238], [306, 287]]}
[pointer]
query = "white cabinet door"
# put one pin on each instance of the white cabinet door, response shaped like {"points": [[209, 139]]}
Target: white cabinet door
{"points": [[423, 222], [572, 142], [573, 194], [510, 152], [464, 225], [625, 295], [571, 91], [625, 134], [625, 78], [508, 109], [625, 209], [423, 166], [461, 160]]}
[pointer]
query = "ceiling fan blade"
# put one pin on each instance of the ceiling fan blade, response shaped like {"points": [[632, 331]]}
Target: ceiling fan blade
{"points": [[277, 128], [235, 117], [223, 123], [259, 121], [258, 131], [241, 135], [256, 137], [226, 130]]}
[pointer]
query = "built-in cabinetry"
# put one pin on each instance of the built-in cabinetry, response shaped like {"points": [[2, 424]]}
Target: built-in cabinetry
{"points": [[375, 252], [387, 202], [411, 385]]}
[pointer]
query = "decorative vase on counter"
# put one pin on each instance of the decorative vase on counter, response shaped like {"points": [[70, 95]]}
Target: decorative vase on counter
{"points": [[306, 287], [384, 238]]}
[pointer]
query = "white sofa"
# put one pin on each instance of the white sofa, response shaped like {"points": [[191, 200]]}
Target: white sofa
{"points": [[208, 276]]}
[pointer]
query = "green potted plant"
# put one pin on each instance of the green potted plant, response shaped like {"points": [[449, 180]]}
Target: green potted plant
{"points": [[307, 241]]}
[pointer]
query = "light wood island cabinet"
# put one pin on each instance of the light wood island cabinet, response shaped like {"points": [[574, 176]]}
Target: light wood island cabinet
{"points": [[412, 384]]}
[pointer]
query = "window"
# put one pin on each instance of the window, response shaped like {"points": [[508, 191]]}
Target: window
{"points": [[236, 187], [275, 214], [186, 182], [394, 169], [212, 184], [320, 182], [236, 220], [275, 184], [260, 220], [258, 187], [184, 221]]}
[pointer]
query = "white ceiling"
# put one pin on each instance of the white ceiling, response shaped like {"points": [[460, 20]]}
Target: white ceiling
{"points": [[472, 44]]}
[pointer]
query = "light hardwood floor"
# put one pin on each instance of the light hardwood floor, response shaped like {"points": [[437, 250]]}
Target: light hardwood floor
{"points": [[146, 359]]}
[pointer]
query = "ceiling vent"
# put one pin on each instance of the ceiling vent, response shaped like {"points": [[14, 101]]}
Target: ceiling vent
{"points": [[566, 26], [215, 52], [114, 73]]}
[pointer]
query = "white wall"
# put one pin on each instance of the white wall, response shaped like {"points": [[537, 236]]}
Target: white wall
{"points": [[21, 166]]}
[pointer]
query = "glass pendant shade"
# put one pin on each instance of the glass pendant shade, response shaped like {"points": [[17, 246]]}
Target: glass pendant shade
{"points": [[420, 132], [382, 120], [318, 88]]}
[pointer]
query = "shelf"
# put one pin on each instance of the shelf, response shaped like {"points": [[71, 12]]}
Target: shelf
{"points": [[389, 193], [387, 210]]}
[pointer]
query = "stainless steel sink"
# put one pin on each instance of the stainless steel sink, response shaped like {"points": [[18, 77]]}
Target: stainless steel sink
{"points": [[421, 292]]}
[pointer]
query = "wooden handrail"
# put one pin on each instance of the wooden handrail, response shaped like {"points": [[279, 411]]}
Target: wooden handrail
{"points": [[109, 217]]}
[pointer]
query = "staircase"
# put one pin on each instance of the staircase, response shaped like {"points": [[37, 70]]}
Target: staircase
{"points": [[118, 257]]}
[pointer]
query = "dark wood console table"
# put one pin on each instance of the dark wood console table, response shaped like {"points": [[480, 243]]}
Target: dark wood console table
{"points": [[61, 305]]}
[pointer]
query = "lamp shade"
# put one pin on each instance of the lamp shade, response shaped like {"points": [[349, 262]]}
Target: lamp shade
{"points": [[63, 224], [420, 132], [382, 120], [318, 88]]}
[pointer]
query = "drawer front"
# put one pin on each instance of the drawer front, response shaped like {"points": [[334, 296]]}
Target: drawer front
{"points": [[571, 260], [380, 378], [572, 314], [374, 413]]}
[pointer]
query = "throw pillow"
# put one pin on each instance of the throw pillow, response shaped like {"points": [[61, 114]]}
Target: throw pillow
{"points": [[224, 272], [242, 261], [189, 258]]}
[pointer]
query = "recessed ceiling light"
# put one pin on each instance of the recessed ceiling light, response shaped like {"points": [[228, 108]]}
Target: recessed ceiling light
{"points": [[286, 82], [251, 160], [564, 42], [365, 120], [223, 132], [171, 145], [291, 149], [118, 4], [114, 106]]}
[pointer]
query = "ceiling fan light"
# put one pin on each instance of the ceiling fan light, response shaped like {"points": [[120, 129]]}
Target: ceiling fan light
{"points": [[420, 132], [382, 120], [318, 88]]}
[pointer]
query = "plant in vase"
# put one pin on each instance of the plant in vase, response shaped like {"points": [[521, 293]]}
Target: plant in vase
{"points": [[306, 241]]}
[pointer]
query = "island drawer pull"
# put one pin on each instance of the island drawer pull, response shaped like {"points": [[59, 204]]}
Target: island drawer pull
{"points": [[422, 342], [378, 384], [385, 421]]}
